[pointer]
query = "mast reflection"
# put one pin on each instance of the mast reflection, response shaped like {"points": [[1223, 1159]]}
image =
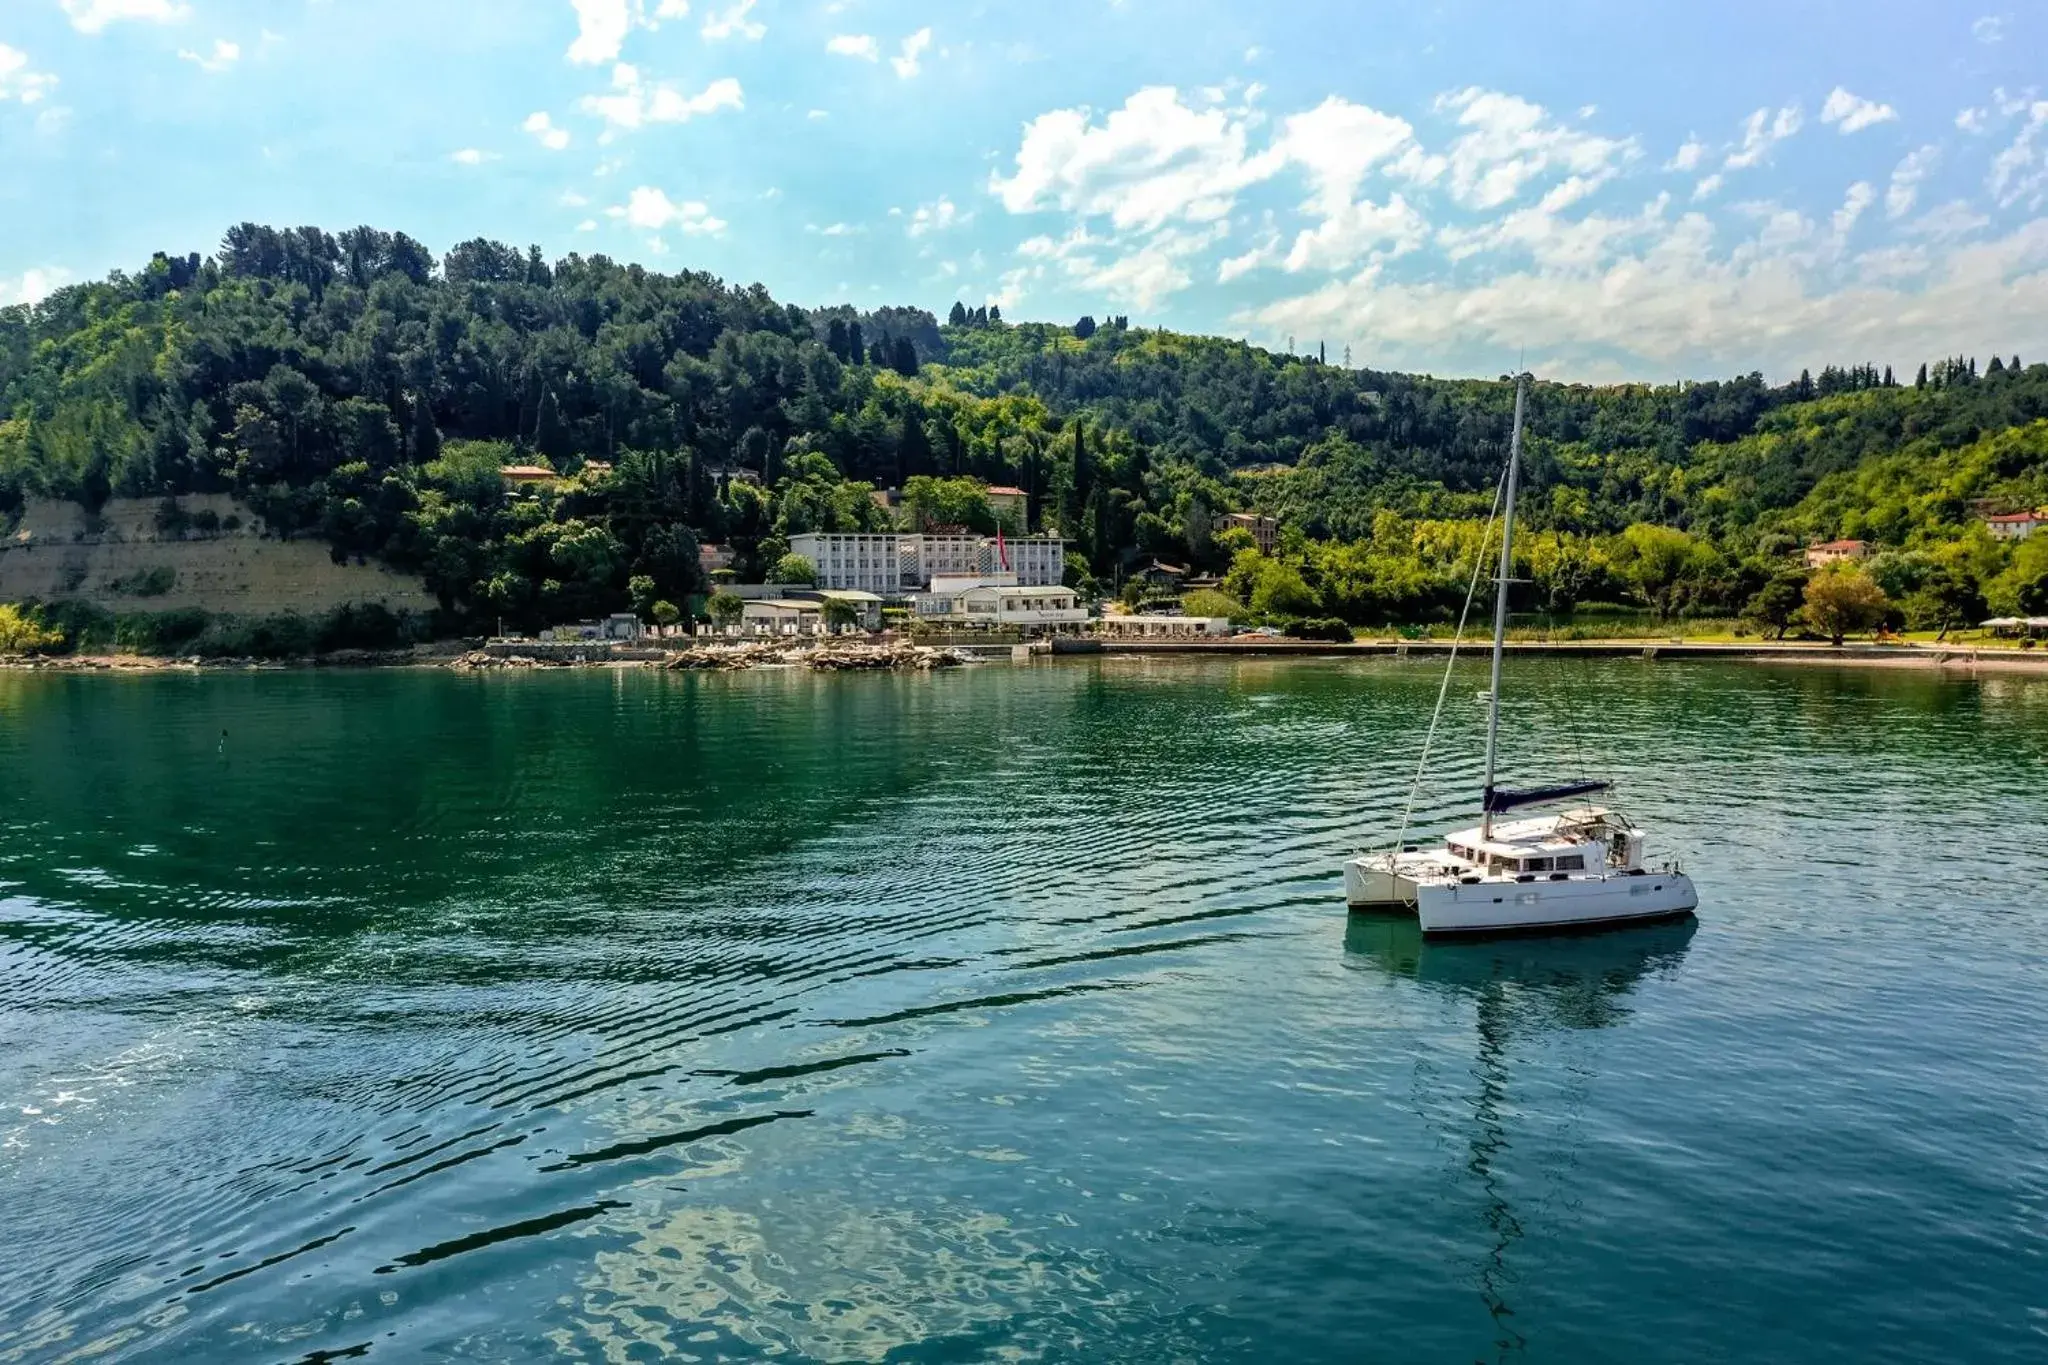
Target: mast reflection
{"points": [[1519, 987]]}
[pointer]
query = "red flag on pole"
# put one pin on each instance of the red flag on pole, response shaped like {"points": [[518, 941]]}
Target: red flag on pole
{"points": [[1002, 554]]}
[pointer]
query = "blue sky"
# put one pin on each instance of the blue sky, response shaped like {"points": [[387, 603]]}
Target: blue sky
{"points": [[1608, 190]]}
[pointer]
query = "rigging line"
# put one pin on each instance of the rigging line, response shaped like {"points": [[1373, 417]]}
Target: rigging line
{"points": [[1444, 690]]}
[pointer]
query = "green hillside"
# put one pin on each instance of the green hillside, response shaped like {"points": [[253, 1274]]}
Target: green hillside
{"points": [[356, 389]]}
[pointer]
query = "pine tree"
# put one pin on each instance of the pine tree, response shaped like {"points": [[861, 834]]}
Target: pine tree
{"points": [[1085, 328], [995, 314], [958, 317], [903, 357], [856, 349], [835, 338], [913, 449], [1804, 389], [1888, 380], [878, 354], [1920, 381], [981, 316], [1997, 366]]}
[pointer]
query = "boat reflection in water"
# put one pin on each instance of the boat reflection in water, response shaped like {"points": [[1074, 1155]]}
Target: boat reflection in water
{"points": [[1520, 988]]}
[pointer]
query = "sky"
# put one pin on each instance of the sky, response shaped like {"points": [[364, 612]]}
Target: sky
{"points": [[1599, 190]]}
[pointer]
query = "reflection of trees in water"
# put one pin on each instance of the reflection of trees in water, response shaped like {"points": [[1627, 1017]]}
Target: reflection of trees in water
{"points": [[1520, 988]]}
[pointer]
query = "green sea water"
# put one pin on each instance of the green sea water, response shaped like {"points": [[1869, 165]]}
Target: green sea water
{"points": [[1008, 1014]]}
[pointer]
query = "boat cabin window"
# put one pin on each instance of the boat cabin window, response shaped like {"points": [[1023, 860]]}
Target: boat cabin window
{"points": [[1536, 865], [1575, 863], [1499, 864]]}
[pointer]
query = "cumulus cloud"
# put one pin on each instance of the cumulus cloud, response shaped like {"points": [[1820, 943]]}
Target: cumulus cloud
{"points": [[1510, 142], [1854, 113], [472, 156], [544, 131], [2020, 172], [1688, 156], [936, 216], [861, 45], [906, 61], [93, 16], [19, 81], [1676, 301], [1989, 29], [602, 26], [1152, 161], [1761, 132], [224, 55], [1905, 187], [32, 286], [651, 210], [1860, 197], [635, 102], [732, 22]]}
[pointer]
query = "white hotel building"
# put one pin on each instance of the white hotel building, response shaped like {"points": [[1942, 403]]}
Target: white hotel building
{"points": [[896, 565]]}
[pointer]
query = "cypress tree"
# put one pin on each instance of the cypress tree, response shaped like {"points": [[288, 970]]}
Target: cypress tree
{"points": [[878, 354], [856, 349], [1920, 380], [958, 317], [835, 338], [995, 314], [903, 357]]}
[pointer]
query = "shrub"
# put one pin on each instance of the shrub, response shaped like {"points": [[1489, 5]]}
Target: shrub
{"points": [[1316, 628], [23, 632], [146, 582]]}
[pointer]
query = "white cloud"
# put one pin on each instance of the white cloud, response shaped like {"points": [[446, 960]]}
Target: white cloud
{"points": [[634, 102], [733, 23], [1973, 120], [602, 26], [1509, 142], [1709, 186], [1688, 156], [472, 156], [1859, 198], [1142, 276], [1853, 112], [1760, 133], [818, 115], [18, 81], [1679, 303], [1989, 29], [1906, 178], [936, 216], [224, 55], [1338, 144], [1356, 231], [587, 225], [93, 16], [572, 200], [1146, 164], [33, 286], [2020, 172], [651, 210], [1265, 252], [544, 131], [906, 61], [835, 230], [1947, 222], [859, 45]]}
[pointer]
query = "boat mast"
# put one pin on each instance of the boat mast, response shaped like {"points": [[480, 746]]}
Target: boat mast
{"points": [[1500, 603]]}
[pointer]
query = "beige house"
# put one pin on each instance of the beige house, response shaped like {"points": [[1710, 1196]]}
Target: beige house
{"points": [[1009, 504], [1837, 552], [1000, 606], [2014, 525], [1265, 531]]}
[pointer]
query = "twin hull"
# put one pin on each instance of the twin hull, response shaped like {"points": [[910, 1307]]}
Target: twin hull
{"points": [[1445, 906]]}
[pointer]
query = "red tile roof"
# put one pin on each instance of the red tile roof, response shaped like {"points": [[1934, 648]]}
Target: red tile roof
{"points": [[1841, 545], [2017, 518], [526, 471], [1003, 490]]}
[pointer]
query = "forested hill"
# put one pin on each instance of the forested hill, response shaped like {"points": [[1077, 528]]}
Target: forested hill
{"points": [[356, 388]]}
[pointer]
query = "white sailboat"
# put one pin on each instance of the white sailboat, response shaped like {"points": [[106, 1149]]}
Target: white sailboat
{"points": [[1581, 868]]}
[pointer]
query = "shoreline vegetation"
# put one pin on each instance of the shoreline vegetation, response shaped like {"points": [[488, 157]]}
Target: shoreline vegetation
{"points": [[859, 653], [536, 442]]}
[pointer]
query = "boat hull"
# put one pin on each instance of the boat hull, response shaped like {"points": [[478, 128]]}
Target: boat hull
{"points": [[1502, 907], [1375, 884]]}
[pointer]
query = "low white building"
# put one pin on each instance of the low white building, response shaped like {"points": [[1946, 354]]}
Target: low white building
{"points": [[896, 565], [2014, 525], [1163, 627], [976, 604]]}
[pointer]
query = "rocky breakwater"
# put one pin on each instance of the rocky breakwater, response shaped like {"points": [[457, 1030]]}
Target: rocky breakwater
{"points": [[832, 656]]}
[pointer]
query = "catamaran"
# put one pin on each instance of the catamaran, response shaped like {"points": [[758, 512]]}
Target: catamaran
{"points": [[1583, 867]]}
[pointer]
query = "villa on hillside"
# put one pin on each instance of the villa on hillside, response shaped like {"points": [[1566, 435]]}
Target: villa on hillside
{"points": [[1837, 552], [1007, 503], [1265, 531], [2014, 525], [517, 476]]}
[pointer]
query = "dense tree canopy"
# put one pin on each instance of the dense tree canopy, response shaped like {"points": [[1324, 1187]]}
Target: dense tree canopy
{"points": [[353, 388]]}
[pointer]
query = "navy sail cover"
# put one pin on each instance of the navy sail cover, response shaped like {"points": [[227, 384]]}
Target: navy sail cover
{"points": [[1499, 799]]}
